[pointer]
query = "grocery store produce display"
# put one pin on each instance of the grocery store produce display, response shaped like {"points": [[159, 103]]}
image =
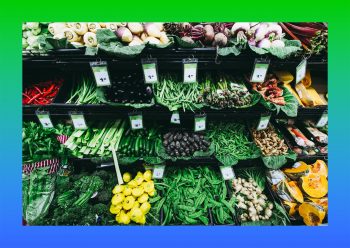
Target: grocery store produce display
{"points": [[222, 150]]}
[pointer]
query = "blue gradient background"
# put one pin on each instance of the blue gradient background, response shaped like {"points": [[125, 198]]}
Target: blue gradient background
{"points": [[13, 234]]}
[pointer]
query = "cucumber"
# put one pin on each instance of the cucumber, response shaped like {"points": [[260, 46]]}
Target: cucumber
{"points": [[151, 151], [148, 146], [144, 146], [126, 141], [141, 146], [137, 144], [131, 147], [122, 142]]}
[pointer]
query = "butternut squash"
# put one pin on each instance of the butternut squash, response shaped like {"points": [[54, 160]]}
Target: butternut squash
{"points": [[290, 190], [314, 185], [304, 95], [322, 202], [291, 207], [312, 214], [287, 77], [299, 169], [319, 168]]}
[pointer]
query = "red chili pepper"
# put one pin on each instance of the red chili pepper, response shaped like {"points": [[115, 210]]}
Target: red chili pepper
{"points": [[51, 87], [24, 94], [43, 101], [33, 98], [41, 93], [38, 89]]}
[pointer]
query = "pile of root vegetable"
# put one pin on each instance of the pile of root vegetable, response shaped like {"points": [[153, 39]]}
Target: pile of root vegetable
{"points": [[253, 205], [130, 33], [251, 201], [269, 142], [270, 91]]}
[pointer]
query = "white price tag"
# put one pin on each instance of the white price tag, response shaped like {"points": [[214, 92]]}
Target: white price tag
{"points": [[101, 73], [190, 70], [106, 164], [301, 71], [148, 167], [323, 120], [200, 123], [150, 72], [175, 118], [94, 195], [136, 121], [158, 171], [227, 172], [44, 118], [78, 121], [263, 122], [259, 72]]}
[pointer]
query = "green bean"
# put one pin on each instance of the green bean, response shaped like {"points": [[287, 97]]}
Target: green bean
{"points": [[189, 194], [175, 94], [231, 139]]}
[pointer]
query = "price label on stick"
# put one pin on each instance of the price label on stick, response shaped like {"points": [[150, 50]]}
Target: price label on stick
{"points": [[190, 70], [227, 172], [44, 118], [148, 167], [263, 122], [323, 120], [136, 120], [107, 164], [200, 122], [101, 74], [175, 118], [78, 120], [158, 171], [301, 71], [259, 71], [150, 70]]}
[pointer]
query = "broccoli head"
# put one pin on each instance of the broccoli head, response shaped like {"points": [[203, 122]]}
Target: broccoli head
{"points": [[104, 196], [104, 175], [100, 209], [74, 215]]}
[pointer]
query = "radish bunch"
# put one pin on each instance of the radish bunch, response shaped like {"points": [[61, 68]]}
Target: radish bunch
{"points": [[259, 34]]}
